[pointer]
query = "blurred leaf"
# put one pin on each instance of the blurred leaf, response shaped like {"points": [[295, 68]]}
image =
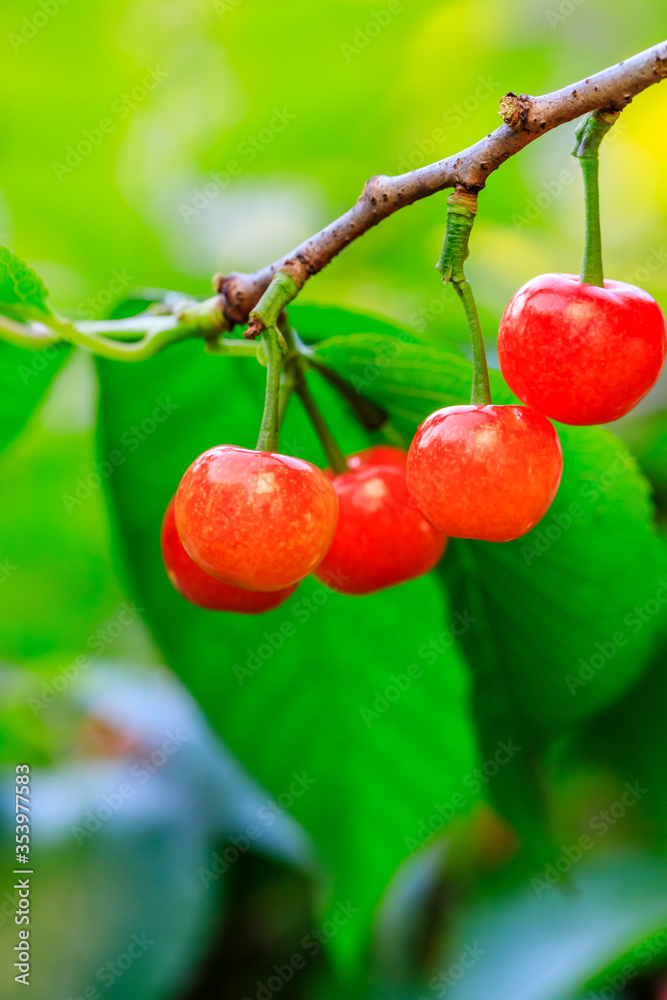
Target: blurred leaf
{"points": [[547, 944], [286, 691], [641, 754], [54, 516], [23, 294], [646, 437], [137, 831], [24, 378]]}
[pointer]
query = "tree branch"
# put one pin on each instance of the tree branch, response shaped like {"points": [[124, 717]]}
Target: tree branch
{"points": [[525, 118]]}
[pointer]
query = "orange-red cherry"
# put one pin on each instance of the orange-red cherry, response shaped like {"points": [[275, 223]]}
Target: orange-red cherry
{"points": [[485, 472], [200, 588], [381, 539], [579, 353], [255, 519]]}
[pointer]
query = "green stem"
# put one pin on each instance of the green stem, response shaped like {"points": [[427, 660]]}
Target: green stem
{"points": [[481, 389], [296, 363], [334, 455], [281, 291], [133, 339], [461, 211], [589, 136], [268, 433], [592, 272]]}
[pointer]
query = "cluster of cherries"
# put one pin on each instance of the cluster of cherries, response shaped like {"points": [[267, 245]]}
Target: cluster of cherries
{"points": [[245, 527]]}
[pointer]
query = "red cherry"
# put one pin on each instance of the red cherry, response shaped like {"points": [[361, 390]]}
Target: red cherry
{"points": [[381, 539], [202, 589], [579, 353], [255, 519], [486, 472]]}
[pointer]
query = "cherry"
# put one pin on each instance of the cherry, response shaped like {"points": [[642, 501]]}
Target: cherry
{"points": [[486, 472], [381, 539], [200, 588], [255, 519], [581, 353]]}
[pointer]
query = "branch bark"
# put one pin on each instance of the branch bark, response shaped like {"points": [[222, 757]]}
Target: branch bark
{"points": [[524, 119]]}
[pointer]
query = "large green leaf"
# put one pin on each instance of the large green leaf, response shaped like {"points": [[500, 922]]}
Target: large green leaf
{"points": [[560, 634], [287, 690]]}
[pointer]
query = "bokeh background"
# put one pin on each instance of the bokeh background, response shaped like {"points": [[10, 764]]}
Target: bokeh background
{"points": [[234, 130]]}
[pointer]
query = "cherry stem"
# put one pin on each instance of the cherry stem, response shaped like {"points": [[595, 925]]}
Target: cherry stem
{"points": [[264, 320], [461, 211], [589, 135], [268, 432], [296, 364]]}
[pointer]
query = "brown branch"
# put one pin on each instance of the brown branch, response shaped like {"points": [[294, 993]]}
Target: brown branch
{"points": [[525, 118]]}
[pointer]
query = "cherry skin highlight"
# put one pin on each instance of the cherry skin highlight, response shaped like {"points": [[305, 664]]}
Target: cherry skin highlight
{"points": [[202, 589], [381, 539], [255, 519], [578, 353], [485, 472]]}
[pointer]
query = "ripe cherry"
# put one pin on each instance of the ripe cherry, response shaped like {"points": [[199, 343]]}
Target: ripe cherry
{"points": [[381, 539], [487, 472], [580, 353], [202, 589], [255, 519]]}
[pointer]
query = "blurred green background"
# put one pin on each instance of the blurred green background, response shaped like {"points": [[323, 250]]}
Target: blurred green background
{"points": [[220, 134]]}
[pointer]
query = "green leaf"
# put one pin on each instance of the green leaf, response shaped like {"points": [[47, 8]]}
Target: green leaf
{"points": [[23, 294], [286, 690], [316, 322]]}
